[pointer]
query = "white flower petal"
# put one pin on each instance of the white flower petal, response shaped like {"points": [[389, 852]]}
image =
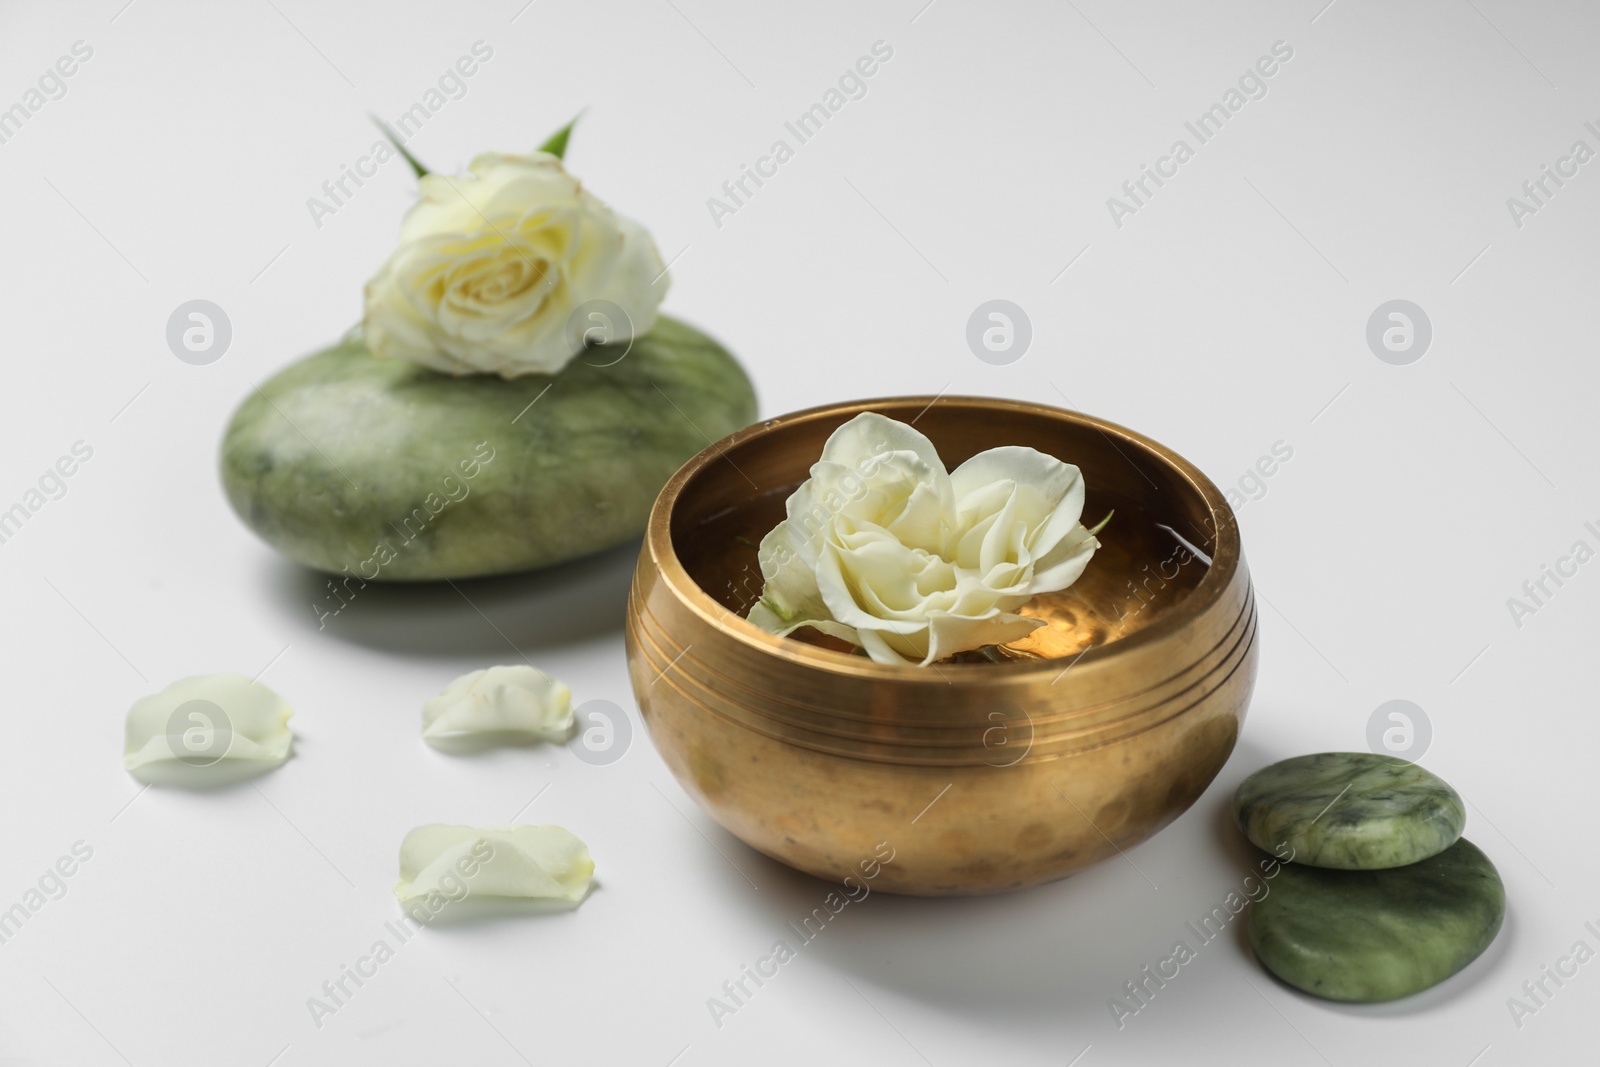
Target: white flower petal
{"points": [[840, 598], [889, 647], [442, 864], [500, 702], [791, 587], [1003, 556], [1020, 464], [207, 730], [1055, 498], [949, 634], [1063, 564], [790, 599], [765, 618], [870, 436]]}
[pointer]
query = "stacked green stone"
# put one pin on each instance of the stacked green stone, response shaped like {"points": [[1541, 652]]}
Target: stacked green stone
{"points": [[1381, 896]]}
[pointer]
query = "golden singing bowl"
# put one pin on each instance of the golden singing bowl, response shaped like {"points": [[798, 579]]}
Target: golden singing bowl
{"points": [[979, 776]]}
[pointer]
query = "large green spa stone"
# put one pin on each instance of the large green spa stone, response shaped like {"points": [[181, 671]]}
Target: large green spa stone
{"points": [[1378, 935], [1349, 810], [389, 471]]}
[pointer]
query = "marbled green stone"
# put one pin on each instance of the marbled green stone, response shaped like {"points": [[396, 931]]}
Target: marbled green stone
{"points": [[1349, 810], [1378, 935], [344, 460]]}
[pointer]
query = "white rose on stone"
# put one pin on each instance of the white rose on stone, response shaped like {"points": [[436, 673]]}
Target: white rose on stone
{"points": [[885, 549], [492, 266]]}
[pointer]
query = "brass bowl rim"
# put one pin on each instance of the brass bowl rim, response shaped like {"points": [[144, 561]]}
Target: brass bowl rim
{"points": [[658, 542]]}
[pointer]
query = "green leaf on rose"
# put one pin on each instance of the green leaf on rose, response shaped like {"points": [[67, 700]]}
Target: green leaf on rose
{"points": [[1101, 525], [390, 136], [556, 145]]}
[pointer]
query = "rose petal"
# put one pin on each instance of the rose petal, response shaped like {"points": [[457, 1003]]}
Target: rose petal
{"points": [[1059, 487], [949, 634], [442, 864], [1064, 563], [207, 730], [500, 700]]}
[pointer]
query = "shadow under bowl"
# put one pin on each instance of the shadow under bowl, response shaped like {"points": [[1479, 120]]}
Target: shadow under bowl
{"points": [[974, 777]]}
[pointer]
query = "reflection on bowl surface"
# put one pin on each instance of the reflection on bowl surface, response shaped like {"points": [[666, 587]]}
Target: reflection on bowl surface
{"points": [[980, 776]]}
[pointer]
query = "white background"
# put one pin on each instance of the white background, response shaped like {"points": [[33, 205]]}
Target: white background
{"points": [[1227, 315]]}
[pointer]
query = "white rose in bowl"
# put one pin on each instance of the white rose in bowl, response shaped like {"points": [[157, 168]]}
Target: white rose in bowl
{"points": [[885, 549], [491, 267]]}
